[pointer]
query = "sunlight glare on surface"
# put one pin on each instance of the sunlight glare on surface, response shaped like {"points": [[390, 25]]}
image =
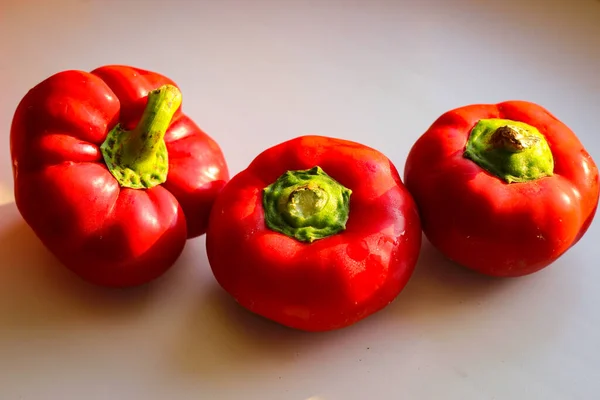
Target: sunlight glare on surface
{"points": [[6, 195]]}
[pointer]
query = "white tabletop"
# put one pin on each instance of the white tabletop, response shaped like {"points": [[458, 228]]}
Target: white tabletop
{"points": [[255, 73]]}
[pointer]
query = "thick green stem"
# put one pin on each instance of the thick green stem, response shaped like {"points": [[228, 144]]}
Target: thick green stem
{"points": [[138, 158], [511, 150], [306, 205]]}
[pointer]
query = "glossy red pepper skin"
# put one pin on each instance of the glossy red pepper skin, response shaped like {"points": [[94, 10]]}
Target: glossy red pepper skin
{"points": [[332, 282], [483, 223], [107, 234]]}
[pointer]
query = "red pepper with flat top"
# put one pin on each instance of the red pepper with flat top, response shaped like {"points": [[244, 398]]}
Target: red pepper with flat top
{"points": [[316, 234], [110, 174], [504, 189]]}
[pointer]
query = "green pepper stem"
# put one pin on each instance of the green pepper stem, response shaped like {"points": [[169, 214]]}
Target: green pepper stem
{"points": [[144, 140], [306, 205], [511, 150], [138, 158], [512, 138], [304, 202]]}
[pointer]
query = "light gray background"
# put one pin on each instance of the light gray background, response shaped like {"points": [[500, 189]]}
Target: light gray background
{"points": [[255, 73]]}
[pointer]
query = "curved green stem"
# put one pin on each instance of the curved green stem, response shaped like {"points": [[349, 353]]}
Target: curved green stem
{"points": [[306, 205], [511, 150], [138, 158]]}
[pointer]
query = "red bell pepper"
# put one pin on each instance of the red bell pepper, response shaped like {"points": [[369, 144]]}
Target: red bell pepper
{"points": [[110, 174], [316, 234], [504, 189]]}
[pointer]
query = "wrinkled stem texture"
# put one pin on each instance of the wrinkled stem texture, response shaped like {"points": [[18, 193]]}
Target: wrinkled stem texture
{"points": [[306, 205], [138, 159], [511, 150]]}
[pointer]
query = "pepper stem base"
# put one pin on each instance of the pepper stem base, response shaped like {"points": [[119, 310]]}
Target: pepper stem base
{"points": [[307, 205], [138, 159], [142, 174]]}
